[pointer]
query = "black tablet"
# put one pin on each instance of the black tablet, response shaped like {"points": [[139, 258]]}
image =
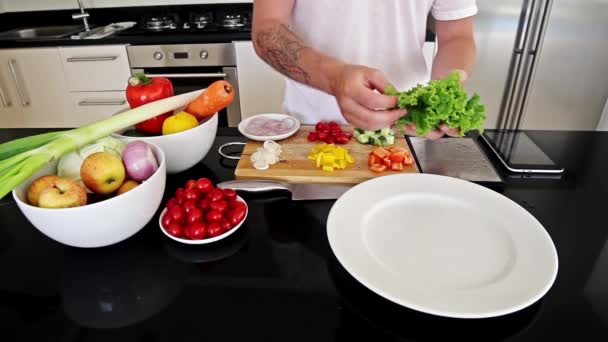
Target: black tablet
{"points": [[519, 153]]}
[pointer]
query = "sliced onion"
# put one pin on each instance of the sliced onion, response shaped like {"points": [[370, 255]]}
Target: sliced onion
{"points": [[260, 165], [139, 160]]}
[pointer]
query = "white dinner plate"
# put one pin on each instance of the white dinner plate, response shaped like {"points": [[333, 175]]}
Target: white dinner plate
{"points": [[442, 245]]}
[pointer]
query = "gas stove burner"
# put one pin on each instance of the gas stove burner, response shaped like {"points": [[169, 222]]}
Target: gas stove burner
{"points": [[200, 21], [233, 21], [160, 23]]}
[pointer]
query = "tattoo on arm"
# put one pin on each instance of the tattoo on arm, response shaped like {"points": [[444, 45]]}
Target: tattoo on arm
{"points": [[281, 48]]}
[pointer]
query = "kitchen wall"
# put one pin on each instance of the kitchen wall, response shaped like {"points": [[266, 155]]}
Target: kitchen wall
{"points": [[42, 5]]}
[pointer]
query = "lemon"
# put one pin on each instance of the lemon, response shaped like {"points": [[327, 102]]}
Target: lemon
{"points": [[179, 122]]}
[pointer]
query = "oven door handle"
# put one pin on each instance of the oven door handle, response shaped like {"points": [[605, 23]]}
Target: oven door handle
{"points": [[202, 75]]}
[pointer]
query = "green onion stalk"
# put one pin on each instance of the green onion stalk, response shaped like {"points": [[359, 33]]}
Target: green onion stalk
{"points": [[21, 158]]}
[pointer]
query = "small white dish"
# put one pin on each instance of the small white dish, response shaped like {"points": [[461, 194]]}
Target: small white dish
{"points": [[244, 124], [203, 241], [442, 245]]}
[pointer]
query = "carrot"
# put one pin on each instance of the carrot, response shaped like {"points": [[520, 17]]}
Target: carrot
{"points": [[216, 97]]}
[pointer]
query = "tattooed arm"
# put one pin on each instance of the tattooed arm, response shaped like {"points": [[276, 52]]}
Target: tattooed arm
{"points": [[352, 85]]}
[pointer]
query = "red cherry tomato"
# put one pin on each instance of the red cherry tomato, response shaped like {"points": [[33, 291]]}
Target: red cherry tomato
{"points": [[191, 184], [336, 129], [329, 140], [235, 216], [322, 136], [197, 231], [238, 204], [341, 138], [312, 136], [192, 195], [322, 127], [179, 194], [176, 213], [195, 215], [229, 195], [213, 216], [175, 229], [226, 226], [189, 205], [166, 219], [214, 229], [215, 195], [204, 185], [348, 135], [333, 124], [171, 202], [204, 204], [220, 206]]}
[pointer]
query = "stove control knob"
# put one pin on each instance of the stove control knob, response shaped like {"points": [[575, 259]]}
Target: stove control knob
{"points": [[158, 55], [204, 54]]}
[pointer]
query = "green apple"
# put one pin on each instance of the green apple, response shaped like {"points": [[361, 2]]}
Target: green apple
{"points": [[64, 193], [37, 186], [102, 172]]}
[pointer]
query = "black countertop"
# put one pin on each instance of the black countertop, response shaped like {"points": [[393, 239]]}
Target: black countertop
{"points": [[276, 279]]}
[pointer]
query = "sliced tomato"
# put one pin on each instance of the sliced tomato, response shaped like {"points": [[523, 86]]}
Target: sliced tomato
{"points": [[396, 149], [409, 159], [386, 162], [380, 152], [378, 168], [372, 160], [397, 167], [397, 157]]}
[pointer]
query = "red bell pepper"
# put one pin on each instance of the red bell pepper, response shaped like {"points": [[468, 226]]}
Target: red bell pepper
{"points": [[142, 90]]}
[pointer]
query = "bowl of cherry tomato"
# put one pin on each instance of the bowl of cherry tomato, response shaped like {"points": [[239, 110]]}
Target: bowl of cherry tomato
{"points": [[200, 213]]}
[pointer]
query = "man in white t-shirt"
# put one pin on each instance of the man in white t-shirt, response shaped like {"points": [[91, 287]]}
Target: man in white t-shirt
{"points": [[339, 56]]}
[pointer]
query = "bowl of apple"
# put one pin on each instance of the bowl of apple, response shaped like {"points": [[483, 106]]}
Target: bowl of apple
{"points": [[96, 196]]}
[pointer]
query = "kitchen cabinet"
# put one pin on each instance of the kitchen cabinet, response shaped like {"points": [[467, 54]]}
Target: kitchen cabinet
{"points": [[96, 68], [92, 106], [34, 88]]}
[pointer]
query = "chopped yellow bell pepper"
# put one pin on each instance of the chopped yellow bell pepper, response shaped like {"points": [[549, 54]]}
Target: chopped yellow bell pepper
{"points": [[330, 157]]}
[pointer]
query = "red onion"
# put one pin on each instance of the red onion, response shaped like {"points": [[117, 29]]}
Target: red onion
{"points": [[139, 160]]}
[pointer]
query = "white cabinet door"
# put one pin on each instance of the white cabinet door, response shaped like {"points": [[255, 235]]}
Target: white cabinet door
{"points": [[96, 68], [36, 88], [93, 106], [261, 87]]}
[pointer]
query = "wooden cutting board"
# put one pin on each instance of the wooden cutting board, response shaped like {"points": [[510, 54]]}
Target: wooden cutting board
{"points": [[297, 168]]}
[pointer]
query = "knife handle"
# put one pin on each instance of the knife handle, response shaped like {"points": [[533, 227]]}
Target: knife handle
{"points": [[254, 185]]}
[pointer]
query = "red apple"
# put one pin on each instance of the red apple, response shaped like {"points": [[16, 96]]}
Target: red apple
{"points": [[37, 186], [102, 172], [64, 193]]}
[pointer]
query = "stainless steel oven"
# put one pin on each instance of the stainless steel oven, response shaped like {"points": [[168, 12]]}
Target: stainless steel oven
{"points": [[191, 67]]}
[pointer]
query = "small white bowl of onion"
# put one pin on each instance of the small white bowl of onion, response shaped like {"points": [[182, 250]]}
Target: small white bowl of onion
{"points": [[110, 220]]}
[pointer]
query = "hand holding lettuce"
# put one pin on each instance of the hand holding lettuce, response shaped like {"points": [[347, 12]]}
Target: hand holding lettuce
{"points": [[442, 101]]}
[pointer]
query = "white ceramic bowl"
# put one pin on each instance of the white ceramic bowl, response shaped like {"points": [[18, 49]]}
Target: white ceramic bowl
{"points": [[98, 224], [243, 125], [204, 241], [185, 149]]}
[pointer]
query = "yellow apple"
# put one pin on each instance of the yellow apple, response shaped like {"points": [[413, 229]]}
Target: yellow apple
{"points": [[37, 186], [126, 186], [64, 193], [102, 172]]}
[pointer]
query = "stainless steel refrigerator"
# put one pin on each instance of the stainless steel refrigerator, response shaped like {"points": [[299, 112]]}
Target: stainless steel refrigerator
{"points": [[542, 64]]}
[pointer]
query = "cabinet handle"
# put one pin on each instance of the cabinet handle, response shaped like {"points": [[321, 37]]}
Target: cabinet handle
{"points": [[5, 102], [102, 103], [203, 75], [92, 59], [12, 64]]}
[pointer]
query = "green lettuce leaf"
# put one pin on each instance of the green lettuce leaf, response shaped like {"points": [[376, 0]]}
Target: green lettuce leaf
{"points": [[441, 101]]}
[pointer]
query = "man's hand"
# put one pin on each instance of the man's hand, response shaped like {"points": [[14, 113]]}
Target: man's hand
{"points": [[354, 88]]}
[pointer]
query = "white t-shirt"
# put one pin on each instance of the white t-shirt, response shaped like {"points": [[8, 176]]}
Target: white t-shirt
{"points": [[385, 34]]}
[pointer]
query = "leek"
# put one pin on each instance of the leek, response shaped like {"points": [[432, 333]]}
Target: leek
{"points": [[21, 158]]}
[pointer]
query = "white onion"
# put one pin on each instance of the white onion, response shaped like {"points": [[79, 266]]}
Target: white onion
{"points": [[139, 160]]}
